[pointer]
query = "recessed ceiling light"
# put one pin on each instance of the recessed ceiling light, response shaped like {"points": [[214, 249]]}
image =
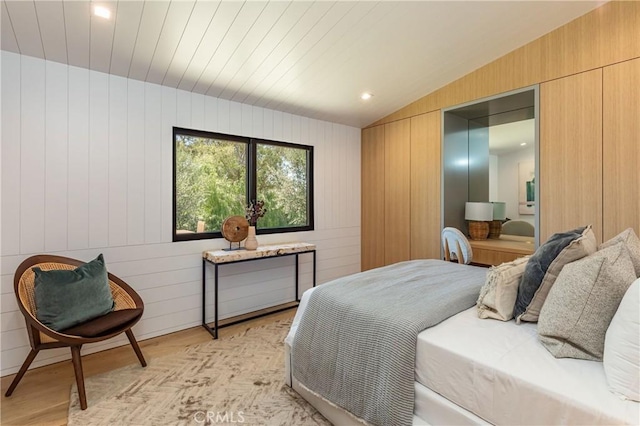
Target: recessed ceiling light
{"points": [[523, 144], [366, 96], [102, 12]]}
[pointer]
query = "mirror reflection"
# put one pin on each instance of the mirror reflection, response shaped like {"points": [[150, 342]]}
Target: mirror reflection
{"points": [[489, 156], [512, 174]]}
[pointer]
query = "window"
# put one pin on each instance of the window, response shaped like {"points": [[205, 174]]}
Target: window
{"points": [[216, 175]]}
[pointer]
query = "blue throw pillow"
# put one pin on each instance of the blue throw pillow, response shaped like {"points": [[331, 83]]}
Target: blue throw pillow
{"points": [[65, 298], [539, 263]]}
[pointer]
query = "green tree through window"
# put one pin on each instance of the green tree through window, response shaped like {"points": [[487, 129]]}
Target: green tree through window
{"points": [[216, 175], [211, 181], [282, 184]]}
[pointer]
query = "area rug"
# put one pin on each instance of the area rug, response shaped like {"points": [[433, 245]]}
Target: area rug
{"points": [[233, 380]]}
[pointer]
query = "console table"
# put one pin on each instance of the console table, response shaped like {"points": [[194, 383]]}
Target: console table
{"points": [[491, 252], [224, 257]]}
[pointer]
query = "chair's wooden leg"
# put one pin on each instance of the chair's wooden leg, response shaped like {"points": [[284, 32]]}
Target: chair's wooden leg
{"points": [[136, 348], [25, 366], [77, 367]]}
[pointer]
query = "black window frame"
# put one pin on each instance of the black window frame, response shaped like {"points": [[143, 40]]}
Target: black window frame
{"points": [[251, 189]]}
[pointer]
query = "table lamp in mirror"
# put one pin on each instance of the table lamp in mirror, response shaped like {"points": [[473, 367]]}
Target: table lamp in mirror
{"points": [[499, 215], [479, 215]]}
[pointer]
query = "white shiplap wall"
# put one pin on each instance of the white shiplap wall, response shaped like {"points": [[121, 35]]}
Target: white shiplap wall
{"points": [[87, 169]]}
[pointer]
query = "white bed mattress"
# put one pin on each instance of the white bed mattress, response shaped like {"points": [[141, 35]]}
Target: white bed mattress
{"points": [[502, 373]]}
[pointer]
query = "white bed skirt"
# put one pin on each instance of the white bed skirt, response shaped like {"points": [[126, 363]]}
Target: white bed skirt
{"points": [[430, 407]]}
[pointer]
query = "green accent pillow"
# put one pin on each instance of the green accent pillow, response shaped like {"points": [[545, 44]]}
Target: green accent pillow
{"points": [[65, 298]]}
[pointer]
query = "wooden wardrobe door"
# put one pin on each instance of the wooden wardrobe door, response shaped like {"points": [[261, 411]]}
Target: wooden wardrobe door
{"points": [[425, 186], [621, 148], [372, 224], [571, 154], [397, 187]]}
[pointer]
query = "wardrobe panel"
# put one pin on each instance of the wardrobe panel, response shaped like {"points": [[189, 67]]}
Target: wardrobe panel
{"points": [[621, 148], [372, 233], [397, 187], [571, 154], [425, 186]]}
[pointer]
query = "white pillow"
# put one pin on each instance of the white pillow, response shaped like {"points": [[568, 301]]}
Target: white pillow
{"points": [[622, 346], [498, 295]]}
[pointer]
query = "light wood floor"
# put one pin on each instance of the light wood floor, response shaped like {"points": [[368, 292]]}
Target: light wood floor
{"points": [[42, 397]]}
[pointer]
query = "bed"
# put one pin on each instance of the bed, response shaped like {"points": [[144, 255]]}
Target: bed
{"points": [[477, 371]]}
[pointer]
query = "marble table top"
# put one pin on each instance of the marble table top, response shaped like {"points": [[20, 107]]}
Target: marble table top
{"points": [[272, 250]]}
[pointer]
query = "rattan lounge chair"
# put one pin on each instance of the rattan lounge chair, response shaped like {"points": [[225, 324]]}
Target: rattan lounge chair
{"points": [[128, 308]]}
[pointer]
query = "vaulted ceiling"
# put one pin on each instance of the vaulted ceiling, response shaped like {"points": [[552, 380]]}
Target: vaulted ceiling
{"points": [[308, 58]]}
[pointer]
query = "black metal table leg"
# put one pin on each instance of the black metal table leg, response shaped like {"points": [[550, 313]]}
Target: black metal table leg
{"points": [[204, 300], [314, 268], [215, 336], [297, 270], [204, 293]]}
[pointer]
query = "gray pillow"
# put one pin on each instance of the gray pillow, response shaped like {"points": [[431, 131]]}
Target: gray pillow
{"points": [[574, 319], [582, 246], [65, 298], [539, 263], [631, 240]]}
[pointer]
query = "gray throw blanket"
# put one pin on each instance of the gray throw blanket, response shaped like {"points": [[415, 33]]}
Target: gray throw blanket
{"points": [[356, 342]]}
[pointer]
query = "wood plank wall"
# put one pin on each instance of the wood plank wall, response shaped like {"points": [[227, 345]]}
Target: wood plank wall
{"points": [[425, 186], [87, 169], [397, 187], [571, 154], [373, 197], [589, 77], [602, 37], [401, 191], [621, 147]]}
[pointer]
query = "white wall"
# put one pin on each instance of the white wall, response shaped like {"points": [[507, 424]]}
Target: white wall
{"points": [[507, 182], [493, 178], [87, 169]]}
